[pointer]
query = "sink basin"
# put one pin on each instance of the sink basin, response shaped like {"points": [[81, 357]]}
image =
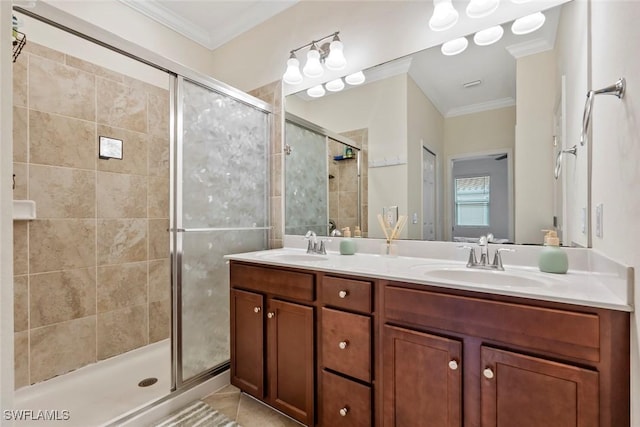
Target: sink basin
{"points": [[293, 257], [503, 279]]}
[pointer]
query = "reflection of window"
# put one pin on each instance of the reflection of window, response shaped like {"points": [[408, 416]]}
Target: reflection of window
{"points": [[472, 201]]}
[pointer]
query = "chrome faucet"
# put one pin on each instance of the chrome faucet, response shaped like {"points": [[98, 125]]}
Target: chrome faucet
{"points": [[315, 246], [483, 263]]}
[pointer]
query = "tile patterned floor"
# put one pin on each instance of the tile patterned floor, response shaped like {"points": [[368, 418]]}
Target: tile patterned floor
{"points": [[245, 410]]}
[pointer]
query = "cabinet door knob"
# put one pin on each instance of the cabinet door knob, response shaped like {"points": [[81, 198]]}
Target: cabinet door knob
{"points": [[488, 373], [343, 294], [344, 411], [270, 314], [343, 344], [453, 365], [256, 309]]}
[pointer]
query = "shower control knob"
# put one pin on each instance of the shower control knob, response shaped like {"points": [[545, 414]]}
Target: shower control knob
{"points": [[271, 314], [343, 294], [256, 309]]}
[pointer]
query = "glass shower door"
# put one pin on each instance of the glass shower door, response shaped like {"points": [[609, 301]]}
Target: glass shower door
{"points": [[221, 208]]}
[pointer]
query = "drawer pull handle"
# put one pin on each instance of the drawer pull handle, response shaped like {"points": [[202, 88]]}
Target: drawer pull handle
{"points": [[343, 344], [344, 411], [256, 309], [270, 314], [343, 294], [453, 365], [488, 373]]}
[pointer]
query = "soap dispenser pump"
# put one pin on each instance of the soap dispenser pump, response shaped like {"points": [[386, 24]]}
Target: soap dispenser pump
{"points": [[347, 245], [553, 259]]}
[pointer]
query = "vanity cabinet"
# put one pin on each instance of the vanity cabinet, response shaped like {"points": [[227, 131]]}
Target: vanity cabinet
{"points": [[272, 337], [462, 360]]}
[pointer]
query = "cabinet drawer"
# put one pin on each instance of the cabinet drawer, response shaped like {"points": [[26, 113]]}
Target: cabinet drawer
{"points": [[347, 293], [292, 284], [345, 403], [562, 332], [346, 343]]}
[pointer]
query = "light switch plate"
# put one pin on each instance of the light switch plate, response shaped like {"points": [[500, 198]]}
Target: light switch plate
{"points": [[599, 221]]}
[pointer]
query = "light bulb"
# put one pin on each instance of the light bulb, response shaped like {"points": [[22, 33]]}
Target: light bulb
{"points": [[355, 78], [444, 15], [316, 91], [528, 24], [336, 59], [455, 46], [481, 8], [313, 68], [335, 85], [488, 36], [292, 75]]}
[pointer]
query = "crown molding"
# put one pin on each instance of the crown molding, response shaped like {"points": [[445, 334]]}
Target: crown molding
{"points": [[482, 106], [529, 48]]}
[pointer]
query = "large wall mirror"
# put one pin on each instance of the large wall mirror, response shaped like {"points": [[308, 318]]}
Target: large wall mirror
{"points": [[464, 145]]}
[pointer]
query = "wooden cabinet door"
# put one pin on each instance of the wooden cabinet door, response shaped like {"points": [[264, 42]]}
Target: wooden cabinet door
{"points": [[247, 346], [422, 379], [524, 391], [291, 359]]}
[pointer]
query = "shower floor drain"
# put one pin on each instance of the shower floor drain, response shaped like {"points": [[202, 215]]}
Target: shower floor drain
{"points": [[147, 382]]}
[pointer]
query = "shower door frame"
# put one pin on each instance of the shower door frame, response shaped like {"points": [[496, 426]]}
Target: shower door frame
{"points": [[176, 228]]}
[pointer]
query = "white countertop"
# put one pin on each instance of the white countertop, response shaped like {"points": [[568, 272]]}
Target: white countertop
{"points": [[605, 289]]}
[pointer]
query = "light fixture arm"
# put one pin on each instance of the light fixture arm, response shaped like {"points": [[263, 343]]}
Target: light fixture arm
{"points": [[315, 42]]}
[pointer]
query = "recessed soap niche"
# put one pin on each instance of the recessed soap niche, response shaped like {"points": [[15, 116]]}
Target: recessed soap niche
{"points": [[24, 210]]}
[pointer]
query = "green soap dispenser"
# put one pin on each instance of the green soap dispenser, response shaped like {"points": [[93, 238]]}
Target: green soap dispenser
{"points": [[553, 259], [347, 245]]}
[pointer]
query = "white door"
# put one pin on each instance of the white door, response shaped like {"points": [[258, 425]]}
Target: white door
{"points": [[428, 195]]}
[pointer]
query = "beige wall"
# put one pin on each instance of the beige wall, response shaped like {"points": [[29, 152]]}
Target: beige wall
{"points": [[91, 273], [534, 154], [616, 151]]}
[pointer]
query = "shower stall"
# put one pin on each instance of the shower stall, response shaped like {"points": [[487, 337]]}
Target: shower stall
{"points": [[139, 271]]}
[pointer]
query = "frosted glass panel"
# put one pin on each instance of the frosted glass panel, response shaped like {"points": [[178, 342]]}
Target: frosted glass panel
{"points": [[205, 295], [224, 185], [224, 178], [306, 176]]}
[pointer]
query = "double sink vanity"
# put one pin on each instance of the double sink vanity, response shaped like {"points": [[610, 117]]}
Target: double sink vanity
{"points": [[422, 340]]}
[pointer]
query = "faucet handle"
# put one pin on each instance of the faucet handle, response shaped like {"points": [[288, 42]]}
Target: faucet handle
{"points": [[322, 250], [497, 258], [472, 255]]}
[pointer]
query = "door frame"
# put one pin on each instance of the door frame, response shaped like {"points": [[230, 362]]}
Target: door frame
{"points": [[436, 217]]}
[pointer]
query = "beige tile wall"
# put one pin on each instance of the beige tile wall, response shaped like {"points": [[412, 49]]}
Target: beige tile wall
{"points": [[92, 273], [361, 139]]}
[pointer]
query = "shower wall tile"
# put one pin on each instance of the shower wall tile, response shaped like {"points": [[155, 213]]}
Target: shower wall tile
{"points": [[60, 348], [61, 296], [121, 106], [61, 244], [121, 241], [158, 238], [159, 320], [348, 202], [63, 192], [20, 303], [20, 91], [121, 195], [276, 218], [21, 359], [121, 286], [158, 118], [134, 151], [122, 330], [159, 157], [21, 181], [159, 280], [89, 67], [20, 247], [43, 51], [145, 87], [20, 147], [276, 175], [57, 88], [158, 197], [62, 141]]}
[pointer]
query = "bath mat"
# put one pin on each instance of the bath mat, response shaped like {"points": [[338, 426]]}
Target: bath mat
{"points": [[196, 414]]}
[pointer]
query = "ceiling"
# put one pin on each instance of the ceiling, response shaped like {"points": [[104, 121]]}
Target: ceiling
{"points": [[212, 23]]}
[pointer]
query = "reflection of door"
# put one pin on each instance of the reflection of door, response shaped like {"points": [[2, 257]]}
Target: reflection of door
{"points": [[428, 195], [480, 195]]}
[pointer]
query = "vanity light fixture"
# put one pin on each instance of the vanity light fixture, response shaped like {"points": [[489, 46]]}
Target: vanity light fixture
{"points": [[355, 78], [316, 91], [488, 36], [444, 15], [481, 8], [455, 46], [334, 85], [329, 53], [528, 24]]}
